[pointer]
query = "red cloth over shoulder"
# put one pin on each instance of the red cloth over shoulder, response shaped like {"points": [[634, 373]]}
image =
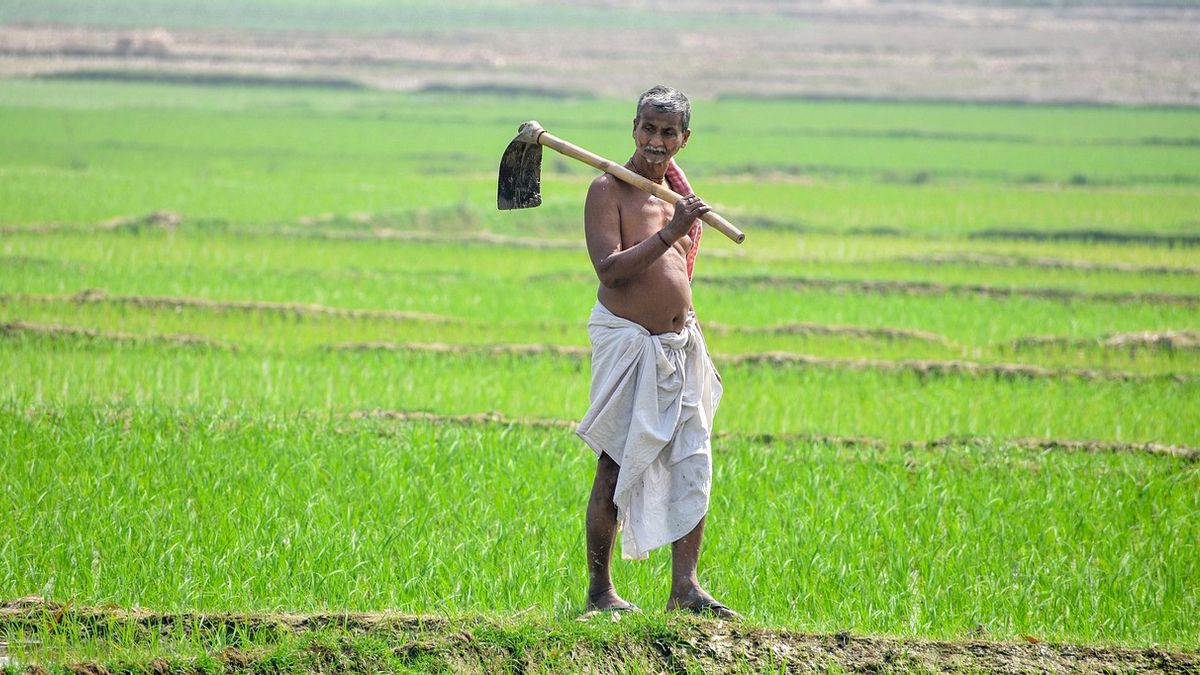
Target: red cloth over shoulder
{"points": [[679, 183]]}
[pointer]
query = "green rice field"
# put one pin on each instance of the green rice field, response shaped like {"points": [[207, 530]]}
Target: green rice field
{"points": [[273, 349]]}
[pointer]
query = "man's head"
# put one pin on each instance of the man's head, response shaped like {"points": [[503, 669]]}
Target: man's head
{"points": [[661, 126]]}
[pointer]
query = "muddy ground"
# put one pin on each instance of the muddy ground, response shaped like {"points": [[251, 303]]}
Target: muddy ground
{"points": [[474, 644], [1112, 52]]}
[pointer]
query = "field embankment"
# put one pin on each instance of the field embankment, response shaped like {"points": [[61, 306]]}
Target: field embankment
{"points": [[394, 642]]}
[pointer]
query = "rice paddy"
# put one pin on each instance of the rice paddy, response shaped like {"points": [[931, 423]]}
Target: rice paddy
{"points": [[273, 349]]}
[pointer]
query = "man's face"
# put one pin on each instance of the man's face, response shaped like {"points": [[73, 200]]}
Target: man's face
{"points": [[659, 135]]}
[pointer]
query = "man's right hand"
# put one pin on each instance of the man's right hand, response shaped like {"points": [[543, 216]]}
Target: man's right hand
{"points": [[687, 211]]}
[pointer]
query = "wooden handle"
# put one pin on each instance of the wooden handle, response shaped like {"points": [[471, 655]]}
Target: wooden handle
{"points": [[661, 191]]}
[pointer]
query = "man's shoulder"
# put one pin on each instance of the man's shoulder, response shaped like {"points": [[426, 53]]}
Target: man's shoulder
{"points": [[606, 181], [605, 187]]}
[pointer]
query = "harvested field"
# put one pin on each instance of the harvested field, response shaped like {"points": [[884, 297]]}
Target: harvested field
{"points": [[867, 50], [471, 644]]}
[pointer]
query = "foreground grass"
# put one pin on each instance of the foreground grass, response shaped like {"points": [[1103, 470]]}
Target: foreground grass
{"points": [[242, 511]]}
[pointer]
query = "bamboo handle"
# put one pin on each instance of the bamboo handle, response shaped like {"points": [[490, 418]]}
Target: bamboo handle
{"points": [[662, 192]]}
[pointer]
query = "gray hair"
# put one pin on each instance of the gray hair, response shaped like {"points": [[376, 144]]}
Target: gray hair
{"points": [[667, 100]]}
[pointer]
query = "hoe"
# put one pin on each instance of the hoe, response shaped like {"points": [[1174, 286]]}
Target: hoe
{"points": [[521, 175]]}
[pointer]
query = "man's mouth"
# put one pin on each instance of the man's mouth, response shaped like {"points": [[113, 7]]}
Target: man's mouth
{"points": [[654, 151]]}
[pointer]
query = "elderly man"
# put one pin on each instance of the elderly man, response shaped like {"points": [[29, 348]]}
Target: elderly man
{"points": [[654, 389]]}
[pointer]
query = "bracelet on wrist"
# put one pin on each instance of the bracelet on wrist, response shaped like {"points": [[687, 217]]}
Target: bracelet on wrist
{"points": [[663, 239]]}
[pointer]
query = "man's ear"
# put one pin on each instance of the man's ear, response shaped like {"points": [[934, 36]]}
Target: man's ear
{"points": [[686, 134]]}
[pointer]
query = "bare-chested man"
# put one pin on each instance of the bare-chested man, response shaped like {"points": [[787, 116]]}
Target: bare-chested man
{"points": [[654, 389]]}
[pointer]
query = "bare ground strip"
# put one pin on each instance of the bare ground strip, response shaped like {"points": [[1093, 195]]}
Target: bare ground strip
{"points": [[675, 644]]}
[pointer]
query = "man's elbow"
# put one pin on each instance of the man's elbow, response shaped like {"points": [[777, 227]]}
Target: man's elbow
{"points": [[609, 280], [609, 277]]}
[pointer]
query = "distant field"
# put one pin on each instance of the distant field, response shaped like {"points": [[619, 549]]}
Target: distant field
{"points": [[369, 16], [960, 347], [270, 155]]}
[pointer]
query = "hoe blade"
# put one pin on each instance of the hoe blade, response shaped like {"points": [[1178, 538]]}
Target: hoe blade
{"points": [[520, 176]]}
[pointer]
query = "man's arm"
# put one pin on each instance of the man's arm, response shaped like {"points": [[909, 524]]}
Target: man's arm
{"points": [[602, 228]]}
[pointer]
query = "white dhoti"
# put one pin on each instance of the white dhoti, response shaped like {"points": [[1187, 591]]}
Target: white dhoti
{"points": [[652, 404]]}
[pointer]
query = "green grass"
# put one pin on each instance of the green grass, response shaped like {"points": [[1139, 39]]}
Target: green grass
{"points": [[142, 473], [272, 154], [529, 295], [282, 331], [239, 511], [760, 398]]}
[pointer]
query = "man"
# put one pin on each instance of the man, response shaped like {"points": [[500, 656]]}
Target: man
{"points": [[654, 389]]}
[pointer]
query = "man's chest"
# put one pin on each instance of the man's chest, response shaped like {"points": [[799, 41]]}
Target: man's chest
{"points": [[643, 216]]}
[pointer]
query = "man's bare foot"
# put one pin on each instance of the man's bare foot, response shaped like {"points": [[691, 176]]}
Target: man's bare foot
{"points": [[609, 601], [696, 600]]}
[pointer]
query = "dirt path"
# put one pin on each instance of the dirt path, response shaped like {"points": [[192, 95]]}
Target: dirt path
{"points": [[663, 644]]}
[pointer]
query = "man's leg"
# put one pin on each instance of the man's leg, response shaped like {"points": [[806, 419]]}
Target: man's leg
{"points": [[601, 531], [686, 592]]}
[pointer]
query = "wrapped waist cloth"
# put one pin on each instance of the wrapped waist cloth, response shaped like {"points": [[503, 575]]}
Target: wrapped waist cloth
{"points": [[651, 408]]}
